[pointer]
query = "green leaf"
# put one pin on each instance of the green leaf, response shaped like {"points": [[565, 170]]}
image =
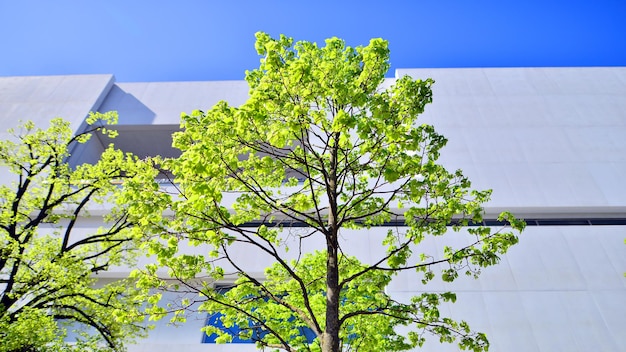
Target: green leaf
{"points": [[319, 156]]}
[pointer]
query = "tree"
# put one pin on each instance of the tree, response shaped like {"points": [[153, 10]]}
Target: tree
{"points": [[48, 264], [317, 150]]}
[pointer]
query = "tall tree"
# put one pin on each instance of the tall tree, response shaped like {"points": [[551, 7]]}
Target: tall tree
{"points": [[318, 150], [48, 261]]}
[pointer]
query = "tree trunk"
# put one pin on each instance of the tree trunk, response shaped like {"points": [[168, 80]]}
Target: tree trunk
{"points": [[330, 339]]}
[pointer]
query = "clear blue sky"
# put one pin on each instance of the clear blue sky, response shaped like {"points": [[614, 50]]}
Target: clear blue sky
{"points": [[214, 40]]}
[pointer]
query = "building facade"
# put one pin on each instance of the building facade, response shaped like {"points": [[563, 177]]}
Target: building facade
{"points": [[550, 142]]}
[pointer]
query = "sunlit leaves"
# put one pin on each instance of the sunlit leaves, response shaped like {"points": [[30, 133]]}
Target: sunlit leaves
{"points": [[46, 264], [321, 143]]}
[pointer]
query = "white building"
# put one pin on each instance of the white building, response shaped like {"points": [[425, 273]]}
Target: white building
{"points": [[550, 142]]}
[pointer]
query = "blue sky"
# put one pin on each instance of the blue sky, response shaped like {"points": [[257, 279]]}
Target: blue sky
{"points": [[214, 40]]}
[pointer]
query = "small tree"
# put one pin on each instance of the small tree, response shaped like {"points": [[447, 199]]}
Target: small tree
{"points": [[47, 262], [319, 148]]}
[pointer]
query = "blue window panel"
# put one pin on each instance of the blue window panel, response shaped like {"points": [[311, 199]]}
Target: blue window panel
{"points": [[257, 332], [308, 333], [215, 320]]}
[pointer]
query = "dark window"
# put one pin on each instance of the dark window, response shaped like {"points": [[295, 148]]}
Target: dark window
{"points": [[257, 331]]}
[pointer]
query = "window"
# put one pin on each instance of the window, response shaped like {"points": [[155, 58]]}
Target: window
{"points": [[257, 331]]}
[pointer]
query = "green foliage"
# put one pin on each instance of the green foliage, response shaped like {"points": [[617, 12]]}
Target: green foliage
{"points": [[47, 262], [320, 142]]}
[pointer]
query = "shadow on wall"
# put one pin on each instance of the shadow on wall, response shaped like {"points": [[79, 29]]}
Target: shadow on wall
{"points": [[137, 133], [130, 109]]}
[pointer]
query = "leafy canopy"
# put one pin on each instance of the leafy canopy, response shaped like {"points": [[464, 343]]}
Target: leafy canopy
{"points": [[325, 143], [47, 260]]}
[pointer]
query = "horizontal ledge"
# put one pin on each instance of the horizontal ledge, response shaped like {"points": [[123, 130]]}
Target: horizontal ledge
{"points": [[486, 222], [559, 212]]}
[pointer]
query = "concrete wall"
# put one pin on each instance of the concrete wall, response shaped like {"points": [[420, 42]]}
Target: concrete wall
{"points": [[550, 142]]}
